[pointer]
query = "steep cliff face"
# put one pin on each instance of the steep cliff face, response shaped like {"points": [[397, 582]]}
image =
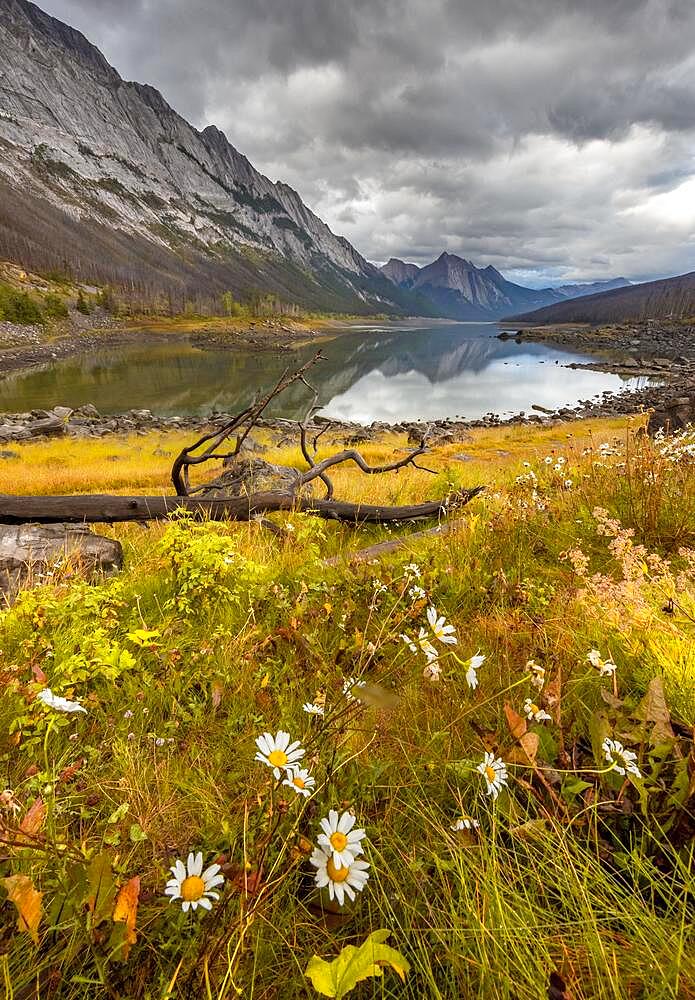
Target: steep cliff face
{"points": [[110, 162]]}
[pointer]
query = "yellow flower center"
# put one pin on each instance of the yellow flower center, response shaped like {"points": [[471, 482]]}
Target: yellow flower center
{"points": [[278, 758], [192, 888], [338, 841], [336, 874], [490, 774], [299, 782], [534, 709]]}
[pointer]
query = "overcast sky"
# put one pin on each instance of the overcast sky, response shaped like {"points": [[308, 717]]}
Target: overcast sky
{"points": [[554, 139]]}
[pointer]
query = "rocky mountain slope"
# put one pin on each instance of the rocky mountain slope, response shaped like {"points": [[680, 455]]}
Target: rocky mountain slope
{"points": [[460, 290], [100, 177], [668, 298]]}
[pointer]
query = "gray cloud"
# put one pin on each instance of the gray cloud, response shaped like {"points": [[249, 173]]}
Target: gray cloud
{"points": [[551, 138]]}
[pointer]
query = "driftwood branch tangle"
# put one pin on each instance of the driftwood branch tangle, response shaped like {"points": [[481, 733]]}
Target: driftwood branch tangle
{"points": [[108, 508]]}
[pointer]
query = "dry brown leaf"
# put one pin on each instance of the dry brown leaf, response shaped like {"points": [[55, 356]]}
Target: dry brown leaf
{"points": [[34, 818], [530, 743], [21, 892], [653, 708], [517, 725], [126, 911]]}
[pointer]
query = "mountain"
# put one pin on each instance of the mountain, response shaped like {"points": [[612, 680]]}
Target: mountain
{"points": [[458, 289], [578, 290], [99, 177], [668, 298], [399, 272]]}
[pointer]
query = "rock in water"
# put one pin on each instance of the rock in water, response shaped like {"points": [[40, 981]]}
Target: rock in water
{"points": [[30, 551]]}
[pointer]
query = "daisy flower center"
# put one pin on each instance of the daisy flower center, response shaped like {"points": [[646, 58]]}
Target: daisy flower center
{"points": [[490, 774], [338, 842], [336, 874], [534, 709], [299, 782], [192, 888], [278, 758]]}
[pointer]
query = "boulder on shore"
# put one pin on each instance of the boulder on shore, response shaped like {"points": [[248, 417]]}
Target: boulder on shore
{"points": [[28, 552], [673, 415]]}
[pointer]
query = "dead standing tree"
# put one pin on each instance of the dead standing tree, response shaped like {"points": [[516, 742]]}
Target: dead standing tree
{"points": [[216, 446]]}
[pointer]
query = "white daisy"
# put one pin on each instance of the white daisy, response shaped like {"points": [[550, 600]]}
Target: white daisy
{"points": [[416, 593], [548, 460], [311, 708], [622, 760], [409, 642], [413, 570], [59, 704], [193, 886], [301, 781], [474, 665], [342, 880], [594, 658], [494, 770], [349, 686], [534, 713], [339, 837], [567, 484], [278, 753], [465, 823], [537, 673], [607, 668], [425, 646], [440, 630]]}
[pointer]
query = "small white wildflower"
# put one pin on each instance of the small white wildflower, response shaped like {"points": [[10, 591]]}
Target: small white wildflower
{"points": [[534, 713], [341, 880], [465, 823], [622, 760], [413, 570], [54, 701], [474, 665], [311, 708], [278, 753], [494, 770], [537, 673], [416, 593], [349, 685], [193, 886], [300, 781], [339, 837], [440, 630]]}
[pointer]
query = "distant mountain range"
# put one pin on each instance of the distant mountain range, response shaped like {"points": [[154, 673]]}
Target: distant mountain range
{"points": [[668, 298], [457, 289], [100, 178]]}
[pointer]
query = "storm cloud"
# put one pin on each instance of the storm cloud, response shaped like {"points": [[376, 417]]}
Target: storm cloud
{"points": [[554, 139]]}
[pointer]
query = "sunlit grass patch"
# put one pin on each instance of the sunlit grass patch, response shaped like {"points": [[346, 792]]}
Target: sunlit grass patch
{"points": [[570, 677]]}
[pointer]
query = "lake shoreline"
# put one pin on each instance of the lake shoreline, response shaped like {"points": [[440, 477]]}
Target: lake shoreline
{"points": [[676, 377]]}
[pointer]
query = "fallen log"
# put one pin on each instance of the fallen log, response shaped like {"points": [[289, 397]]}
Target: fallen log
{"points": [[107, 508]]}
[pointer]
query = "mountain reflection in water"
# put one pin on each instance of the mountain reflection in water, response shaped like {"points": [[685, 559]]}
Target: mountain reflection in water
{"points": [[371, 374]]}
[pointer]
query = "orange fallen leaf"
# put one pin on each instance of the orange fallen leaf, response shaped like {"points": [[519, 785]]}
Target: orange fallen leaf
{"points": [[517, 725], [126, 911], [530, 743], [21, 892]]}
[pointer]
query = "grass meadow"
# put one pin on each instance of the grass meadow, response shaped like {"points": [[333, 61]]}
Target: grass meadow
{"points": [[499, 720]]}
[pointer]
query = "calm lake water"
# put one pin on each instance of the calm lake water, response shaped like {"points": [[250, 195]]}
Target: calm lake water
{"points": [[373, 373]]}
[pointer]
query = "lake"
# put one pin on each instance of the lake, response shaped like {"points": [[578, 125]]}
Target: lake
{"points": [[388, 373]]}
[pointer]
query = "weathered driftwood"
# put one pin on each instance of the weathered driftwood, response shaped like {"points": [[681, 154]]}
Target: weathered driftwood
{"points": [[108, 508]]}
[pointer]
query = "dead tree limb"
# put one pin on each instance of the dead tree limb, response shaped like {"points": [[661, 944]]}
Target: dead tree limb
{"points": [[243, 422], [108, 508]]}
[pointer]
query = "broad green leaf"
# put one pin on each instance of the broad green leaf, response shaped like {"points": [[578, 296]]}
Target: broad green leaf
{"points": [[337, 978], [136, 833], [118, 814], [101, 891]]}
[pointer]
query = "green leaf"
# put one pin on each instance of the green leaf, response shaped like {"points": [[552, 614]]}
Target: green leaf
{"points": [[101, 890], [336, 978], [118, 814], [137, 833]]}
